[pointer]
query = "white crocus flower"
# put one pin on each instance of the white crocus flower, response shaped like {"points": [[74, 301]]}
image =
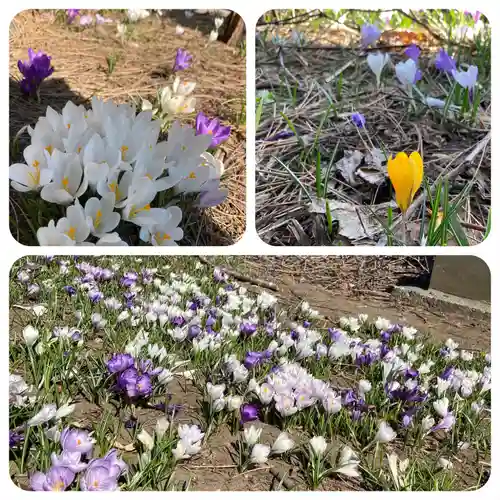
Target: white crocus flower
{"points": [[215, 391], [100, 215], [260, 454], [111, 240], [99, 159], [32, 175], [432, 102], [146, 439], [251, 435], [212, 37], [318, 445], [179, 30], [282, 444], [193, 178], [75, 224], [51, 236], [116, 184], [376, 62], [348, 463], [442, 386], [166, 232], [427, 423], [234, 402], [445, 464], [218, 22], [46, 414], [441, 406], [398, 473], [183, 147], [68, 181], [176, 100], [137, 207], [382, 323], [30, 335], [184, 88], [385, 433], [64, 411], [406, 71], [161, 427], [364, 386]]}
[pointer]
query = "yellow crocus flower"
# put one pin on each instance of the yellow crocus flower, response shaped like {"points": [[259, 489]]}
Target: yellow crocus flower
{"points": [[406, 174]]}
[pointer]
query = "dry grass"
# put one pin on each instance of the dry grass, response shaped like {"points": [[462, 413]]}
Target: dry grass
{"points": [[143, 64], [306, 88]]}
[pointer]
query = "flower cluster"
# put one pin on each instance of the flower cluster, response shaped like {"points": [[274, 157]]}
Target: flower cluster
{"points": [[110, 152], [98, 474]]}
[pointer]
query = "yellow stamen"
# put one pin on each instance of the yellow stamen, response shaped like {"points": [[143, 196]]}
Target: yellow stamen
{"points": [[134, 211], [192, 175], [98, 217], [58, 486], [114, 189], [95, 484], [162, 236], [78, 149], [68, 125], [183, 148], [149, 176], [210, 132], [49, 149], [65, 183], [71, 232], [36, 176], [124, 150]]}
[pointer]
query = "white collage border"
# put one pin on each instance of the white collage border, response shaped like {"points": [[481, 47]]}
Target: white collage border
{"points": [[250, 244]]}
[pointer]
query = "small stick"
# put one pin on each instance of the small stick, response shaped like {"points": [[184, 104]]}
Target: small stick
{"points": [[242, 277]]}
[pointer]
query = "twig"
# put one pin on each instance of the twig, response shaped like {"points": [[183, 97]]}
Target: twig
{"points": [[242, 277]]}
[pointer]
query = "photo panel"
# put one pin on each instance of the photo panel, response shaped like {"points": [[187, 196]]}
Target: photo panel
{"points": [[373, 127], [127, 127], [245, 373]]}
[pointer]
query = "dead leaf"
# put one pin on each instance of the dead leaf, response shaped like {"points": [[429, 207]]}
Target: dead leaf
{"points": [[347, 166], [354, 224]]}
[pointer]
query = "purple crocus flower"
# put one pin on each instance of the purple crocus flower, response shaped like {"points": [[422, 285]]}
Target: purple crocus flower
{"points": [[385, 336], [56, 479], [213, 127], [70, 459], [129, 279], [70, 290], [75, 441], [447, 373], [178, 321], [35, 70], [99, 478], [86, 20], [444, 62], [284, 134], [466, 79], [127, 381], [249, 412], [413, 52], [248, 329], [95, 295], [182, 60], [335, 335], [14, 439], [193, 331], [143, 385], [219, 275], [111, 460], [72, 13], [476, 16], [445, 423], [358, 119], [369, 34], [252, 359], [407, 420], [120, 362], [210, 321]]}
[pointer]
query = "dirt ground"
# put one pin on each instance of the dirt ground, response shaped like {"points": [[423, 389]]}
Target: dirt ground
{"points": [[143, 65]]}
